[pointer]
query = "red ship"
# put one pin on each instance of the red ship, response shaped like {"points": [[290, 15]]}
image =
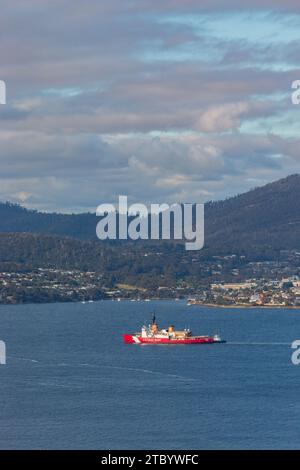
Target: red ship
{"points": [[153, 335]]}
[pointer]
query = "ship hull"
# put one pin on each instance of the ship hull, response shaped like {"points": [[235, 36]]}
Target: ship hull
{"points": [[137, 339]]}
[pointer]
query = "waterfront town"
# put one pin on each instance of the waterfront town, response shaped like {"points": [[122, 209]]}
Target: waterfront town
{"points": [[262, 293], [223, 281]]}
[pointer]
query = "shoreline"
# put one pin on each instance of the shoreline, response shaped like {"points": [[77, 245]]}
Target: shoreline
{"points": [[154, 299], [120, 300], [291, 307]]}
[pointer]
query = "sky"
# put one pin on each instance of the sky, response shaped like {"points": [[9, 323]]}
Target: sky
{"points": [[163, 101]]}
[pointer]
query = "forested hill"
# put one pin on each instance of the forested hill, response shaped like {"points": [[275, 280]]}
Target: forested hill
{"points": [[266, 218], [14, 218], [260, 221]]}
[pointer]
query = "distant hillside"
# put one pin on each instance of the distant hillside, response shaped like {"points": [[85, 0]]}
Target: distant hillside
{"points": [[264, 219], [258, 223], [127, 262], [14, 218]]}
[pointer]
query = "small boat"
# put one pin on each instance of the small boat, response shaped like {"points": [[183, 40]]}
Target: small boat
{"points": [[153, 335]]}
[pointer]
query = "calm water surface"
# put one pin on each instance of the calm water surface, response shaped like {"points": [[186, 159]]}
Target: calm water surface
{"points": [[70, 382]]}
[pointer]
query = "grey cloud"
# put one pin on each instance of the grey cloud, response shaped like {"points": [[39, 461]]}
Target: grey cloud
{"points": [[99, 139]]}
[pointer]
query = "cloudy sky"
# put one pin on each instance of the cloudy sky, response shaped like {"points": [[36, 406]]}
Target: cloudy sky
{"points": [[163, 101]]}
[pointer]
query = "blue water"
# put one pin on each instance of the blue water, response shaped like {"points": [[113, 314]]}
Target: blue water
{"points": [[70, 382]]}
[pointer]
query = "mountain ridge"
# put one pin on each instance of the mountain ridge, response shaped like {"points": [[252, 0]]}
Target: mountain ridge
{"points": [[266, 218]]}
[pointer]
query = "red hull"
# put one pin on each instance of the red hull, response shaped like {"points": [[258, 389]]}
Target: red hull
{"points": [[137, 339]]}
